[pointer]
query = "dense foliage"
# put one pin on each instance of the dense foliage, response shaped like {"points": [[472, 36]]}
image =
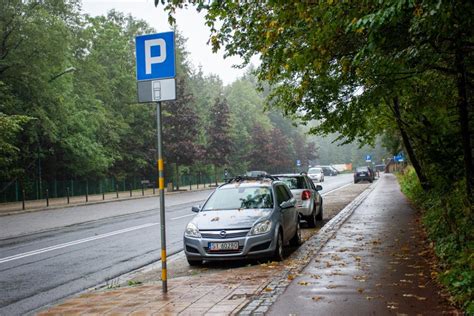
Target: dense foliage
{"points": [[399, 68], [68, 106]]}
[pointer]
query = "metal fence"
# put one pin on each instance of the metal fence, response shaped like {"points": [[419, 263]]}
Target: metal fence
{"points": [[16, 191]]}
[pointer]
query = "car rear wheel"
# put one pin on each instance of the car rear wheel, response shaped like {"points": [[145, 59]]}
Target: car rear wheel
{"points": [[296, 240], [278, 254], [194, 263], [311, 219], [319, 217]]}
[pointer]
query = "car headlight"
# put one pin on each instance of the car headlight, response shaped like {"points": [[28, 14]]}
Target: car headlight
{"points": [[192, 231], [261, 228]]}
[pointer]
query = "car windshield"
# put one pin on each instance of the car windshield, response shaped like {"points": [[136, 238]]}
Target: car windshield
{"points": [[314, 170], [294, 183], [240, 197], [362, 169]]}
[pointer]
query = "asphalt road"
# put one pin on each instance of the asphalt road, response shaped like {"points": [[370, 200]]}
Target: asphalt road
{"points": [[46, 256]]}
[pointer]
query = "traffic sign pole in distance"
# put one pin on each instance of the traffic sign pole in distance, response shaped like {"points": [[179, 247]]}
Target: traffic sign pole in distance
{"points": [[156, 71]]}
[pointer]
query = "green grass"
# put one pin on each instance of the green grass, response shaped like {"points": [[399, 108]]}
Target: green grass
{"points": [[448, 221]]}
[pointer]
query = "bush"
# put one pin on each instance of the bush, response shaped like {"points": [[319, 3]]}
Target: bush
{"points": [[448, 222]]}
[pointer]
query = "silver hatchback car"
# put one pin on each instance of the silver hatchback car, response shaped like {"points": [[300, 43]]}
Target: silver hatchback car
{"points": [[309, 202], [242, 219]]}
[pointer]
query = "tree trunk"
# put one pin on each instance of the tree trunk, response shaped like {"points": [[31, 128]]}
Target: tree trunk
{"points": [[177, 177], [464, 110], [406, 142], [215, 174]]}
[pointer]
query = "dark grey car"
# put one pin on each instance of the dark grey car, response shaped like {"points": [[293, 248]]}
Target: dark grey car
{"points": [[246, 218]]}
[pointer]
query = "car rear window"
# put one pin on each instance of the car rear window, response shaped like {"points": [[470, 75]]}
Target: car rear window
{"points": [[294, 183], [362, 169], [240, 197], [314, 170]]}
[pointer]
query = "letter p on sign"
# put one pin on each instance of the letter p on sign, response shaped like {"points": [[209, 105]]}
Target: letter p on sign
{"points": [[149, 60], [155, 56]]}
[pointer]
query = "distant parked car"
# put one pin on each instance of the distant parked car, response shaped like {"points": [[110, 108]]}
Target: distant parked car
{"points": [[328, 170], [309, 202], [364, 173], [335, 171], [245, 218], [316, 174]]}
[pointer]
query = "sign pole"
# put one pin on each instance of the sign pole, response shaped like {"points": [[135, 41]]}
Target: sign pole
{"points": [[161, 187]]}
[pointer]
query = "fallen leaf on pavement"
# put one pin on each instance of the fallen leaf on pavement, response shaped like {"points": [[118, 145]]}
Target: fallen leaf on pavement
{"points": [[317, 298], [268, 289], [315, 276], [291, 277], [420, 298], [332, 286], [360, 278], [303, 283], [360, 290], [369, 298]]}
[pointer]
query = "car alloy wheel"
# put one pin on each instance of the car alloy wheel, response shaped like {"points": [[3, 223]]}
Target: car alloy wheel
{"points": [[296, 240], [278, 255]]}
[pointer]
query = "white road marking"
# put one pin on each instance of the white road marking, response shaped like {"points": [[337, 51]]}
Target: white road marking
{"points": [[175, 218], [75, 242], [336, 189]]}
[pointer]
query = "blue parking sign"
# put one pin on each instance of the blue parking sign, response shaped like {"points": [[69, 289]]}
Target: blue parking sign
{"points": [[155, 56]]}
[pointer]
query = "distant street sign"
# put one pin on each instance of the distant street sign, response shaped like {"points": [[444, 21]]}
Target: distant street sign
{"points": [[155, 56], [368, 158], [298, 163], [399, 158]]}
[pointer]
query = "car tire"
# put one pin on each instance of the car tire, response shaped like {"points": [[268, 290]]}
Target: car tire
{"points": [[194, 263], [311, 219], [278, 254], [296, 240], [319, 217]]}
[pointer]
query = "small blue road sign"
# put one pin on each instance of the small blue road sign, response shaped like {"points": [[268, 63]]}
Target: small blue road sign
{"points": [[298, 163], [399, 158], [155, 56], [368, 158]]}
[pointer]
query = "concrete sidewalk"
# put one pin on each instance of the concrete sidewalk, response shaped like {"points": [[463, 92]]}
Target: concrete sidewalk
{"points": [[378, 263]]}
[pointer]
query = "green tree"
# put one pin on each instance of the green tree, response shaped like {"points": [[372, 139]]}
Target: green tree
{"points": [[220, 144]]}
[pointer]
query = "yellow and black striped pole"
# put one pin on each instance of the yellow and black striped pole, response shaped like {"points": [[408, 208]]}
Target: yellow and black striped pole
{"points": [[161, 190]]}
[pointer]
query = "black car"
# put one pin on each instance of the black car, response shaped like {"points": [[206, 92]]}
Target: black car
{"points": [[364, 173]]}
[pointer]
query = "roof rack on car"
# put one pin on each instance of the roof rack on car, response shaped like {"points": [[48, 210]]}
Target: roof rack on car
{"points": [[243, 178]]}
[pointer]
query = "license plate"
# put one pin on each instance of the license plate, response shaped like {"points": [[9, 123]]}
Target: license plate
{"points": [[362, 174], [220, 246]]}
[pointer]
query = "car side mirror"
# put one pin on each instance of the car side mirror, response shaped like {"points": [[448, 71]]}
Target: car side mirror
{"points": [[287, 204], [196, 209], [319, 187]]}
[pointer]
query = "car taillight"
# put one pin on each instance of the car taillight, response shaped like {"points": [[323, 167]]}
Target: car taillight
{"points": [[306, 195]]}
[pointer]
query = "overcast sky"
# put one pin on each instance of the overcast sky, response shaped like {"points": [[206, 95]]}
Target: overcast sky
{"points": [[190, 24]]}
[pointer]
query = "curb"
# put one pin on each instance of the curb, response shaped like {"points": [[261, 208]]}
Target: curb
{"points": [[261, 303], [55, 207]]}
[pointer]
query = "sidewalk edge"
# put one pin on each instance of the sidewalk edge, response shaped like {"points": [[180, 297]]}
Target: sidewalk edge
{"points": [[261, 303]]}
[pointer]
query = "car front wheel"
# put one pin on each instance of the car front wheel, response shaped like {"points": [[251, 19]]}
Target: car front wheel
{"points": [[278, 254], [296, 240]]}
